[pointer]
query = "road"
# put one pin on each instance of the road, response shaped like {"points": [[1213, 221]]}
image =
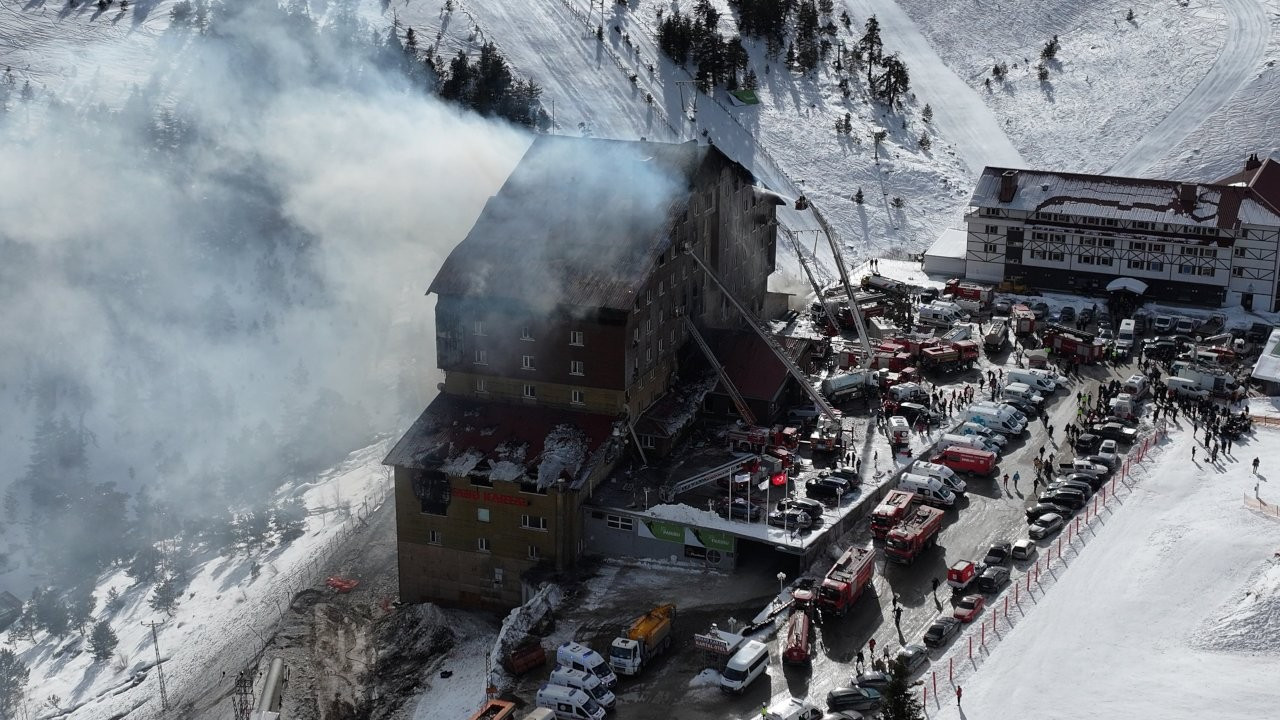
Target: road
{"points": [[987, 515], [959, 112], [1248, 29]]}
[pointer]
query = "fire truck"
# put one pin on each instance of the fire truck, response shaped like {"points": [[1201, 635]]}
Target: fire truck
{"points": [[981, 294], [846, 580], [1069, 343], [949, 358], [827, 437], [756, 439], [796, 638], [913, 535], [1022, 319], [890, 511]]}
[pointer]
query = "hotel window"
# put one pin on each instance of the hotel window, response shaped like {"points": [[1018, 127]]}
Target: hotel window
{"points": [[1186, 270], [435, 538], [497, 577], [478, 327], [482, 514], [482, 544], [1104, 261], [526, 333], [662, 288], [989, 247], [530, 392], [1057, 257], [534, 553], [1137, 246], [993, 229], [533, 522], [1155, 267], [482, 357], [1237, 272], [1136, 264], [575, 337], [1238, 252], [526, 362], [577, 397], [648, 297], [481, 386], [576, 367], [648, 354], [646, 442], [660, 343], [648, 326], [1207, 271], [618, 522], [1157, 247], [1084, 259], [1107, 242]]}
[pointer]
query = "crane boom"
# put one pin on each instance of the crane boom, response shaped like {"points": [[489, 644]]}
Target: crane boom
{"points": [[808, 272], [748, 417], [853, 302], [764, 334]]}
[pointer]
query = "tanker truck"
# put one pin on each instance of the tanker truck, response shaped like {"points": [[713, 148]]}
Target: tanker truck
{"points": [[642, 640]]}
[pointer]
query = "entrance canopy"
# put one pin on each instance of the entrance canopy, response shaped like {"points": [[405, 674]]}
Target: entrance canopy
{"points": [[1137, 287]]}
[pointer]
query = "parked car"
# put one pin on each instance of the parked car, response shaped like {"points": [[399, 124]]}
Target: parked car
{"points": [[1045, 526], [1001, 307], [1093, 481], [1023, 549], [1109, 460], [740, 509], [1025, 407], [873, 679], [1066, 497], [791, 519], [1087, 443], [853, 698], [847, 473], [793, 709], [1040, 310], [1162, 324], [812, 508], [827, 488], [1086, 315], [1104, 333], [1109, 446], [1079, 486], [992, 579], [913, 656], [1184, 326], [968, 607], [1035, 512], [1068, 315], [1113, 431], [998, 554], [941, 631], [915, 412]]}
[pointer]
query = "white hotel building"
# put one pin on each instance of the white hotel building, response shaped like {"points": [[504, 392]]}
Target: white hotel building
{"points": [[1206, 244]]}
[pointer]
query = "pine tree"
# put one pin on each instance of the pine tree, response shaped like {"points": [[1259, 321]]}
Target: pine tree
{"points": [[13, 682], [1050, 50], [144, 566], [1129, 15], [1042, 72], [925, 143], [102, 641], [411, 41], [927, 115], [289, 519], [80, 608], [50, 612], [900, 703], [872, 46], [858, 197], [894, 82], [165, 597], [750, 82]]}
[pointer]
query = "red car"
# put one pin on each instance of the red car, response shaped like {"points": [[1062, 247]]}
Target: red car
{"points": [[968, 607]]}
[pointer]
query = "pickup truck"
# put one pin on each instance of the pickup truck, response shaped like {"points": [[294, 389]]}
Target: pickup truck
{"points": [[1069, 467]]}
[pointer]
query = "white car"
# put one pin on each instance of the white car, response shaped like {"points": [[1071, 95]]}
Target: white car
{"points": [[793, 709], [1045, 525], [1108, 447]]}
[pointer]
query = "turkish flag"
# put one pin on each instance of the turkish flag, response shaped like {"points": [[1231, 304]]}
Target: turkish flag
{"points": [[779, 479]]}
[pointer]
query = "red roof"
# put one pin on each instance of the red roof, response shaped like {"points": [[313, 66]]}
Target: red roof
{"points": [[751, 365], [1266, 183]]}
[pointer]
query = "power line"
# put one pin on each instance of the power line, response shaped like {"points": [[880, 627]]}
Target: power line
{"points": [[155, 642]]}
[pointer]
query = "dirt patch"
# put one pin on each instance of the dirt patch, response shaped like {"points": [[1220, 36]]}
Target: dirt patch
{"points": [[413, 641]]}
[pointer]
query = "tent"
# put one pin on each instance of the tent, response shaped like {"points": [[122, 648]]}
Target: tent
{"points": [[1137, 287]]}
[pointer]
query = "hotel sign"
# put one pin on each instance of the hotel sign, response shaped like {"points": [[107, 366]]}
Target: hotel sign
{"points": [[490, 497]]}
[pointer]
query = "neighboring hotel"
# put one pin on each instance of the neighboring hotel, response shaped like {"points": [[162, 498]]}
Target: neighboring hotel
{"points": [[1210, 244], [560, 321]]}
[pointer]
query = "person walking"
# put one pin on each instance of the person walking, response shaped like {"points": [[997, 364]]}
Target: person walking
{"points": [[959, 692], [1193, 452], [860, 659], [872, 644], [1255, 468], [1006, 482], [897, 618], [1016, 476]]}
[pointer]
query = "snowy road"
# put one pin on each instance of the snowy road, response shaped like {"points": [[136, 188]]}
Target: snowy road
{"points": [[1247, 32], [959, 112]]}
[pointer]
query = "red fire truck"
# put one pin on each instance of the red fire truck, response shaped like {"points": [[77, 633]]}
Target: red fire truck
{"points": [[968, 291], [845, 581], [756, 439], [890, 512], [1068, 343], [913, 535], [795, 638]]}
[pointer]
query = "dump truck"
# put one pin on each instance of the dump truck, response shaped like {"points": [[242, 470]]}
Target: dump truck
{"points": [[890, 512], [913, 535], [847, 385], [642, 640], [846, 580], [996, 335]]}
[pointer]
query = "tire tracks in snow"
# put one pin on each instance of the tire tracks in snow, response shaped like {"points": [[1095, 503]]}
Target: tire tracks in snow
{"points": [[1248, 30]]}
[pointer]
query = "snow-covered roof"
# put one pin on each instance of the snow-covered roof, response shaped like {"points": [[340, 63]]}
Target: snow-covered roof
{"points": [[1268, 365], [952, 243], [1132, 199]]}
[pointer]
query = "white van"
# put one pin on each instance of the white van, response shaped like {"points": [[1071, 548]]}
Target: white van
{"points": [[942, 472], [1021, 391], [1042, 381], [580, 657], [1182, 387], [1136, 386], [569, 703], [930, 490], [1001, 418], [541, 714], [1126, 336], [586, 682], [1003, 407], [986, 433], [941, 314], [749, 663], [976, 442]]}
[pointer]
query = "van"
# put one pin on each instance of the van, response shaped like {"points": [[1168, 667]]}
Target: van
{"points": [[1127, 335], [899, 430], [1042, 381], [1001, 418], [1183, 387], [1184, 326], [930, 490], [580, 657], [969, 441], [942, 472], [541, 714], [586, 682], [569, 703], [991, 436], [1021, 391], [967, 460], [1004, 408], [1135, 385], [744, 667], [940, 313]]}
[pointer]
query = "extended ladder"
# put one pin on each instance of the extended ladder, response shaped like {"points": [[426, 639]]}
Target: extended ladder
{"points": [[748, 417]]}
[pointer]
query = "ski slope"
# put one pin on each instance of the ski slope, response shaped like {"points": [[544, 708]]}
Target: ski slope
{"points": [[1171, 611], [1247, 35]]}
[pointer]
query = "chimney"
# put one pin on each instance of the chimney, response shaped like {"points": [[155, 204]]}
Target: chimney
{"points": [[1187, 196], [1252, 162], [1008, 185]]}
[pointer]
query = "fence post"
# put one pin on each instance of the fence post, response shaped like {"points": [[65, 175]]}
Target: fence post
{"points": [[1006, 607], [935, 683], [984, 633], [951, 669]]}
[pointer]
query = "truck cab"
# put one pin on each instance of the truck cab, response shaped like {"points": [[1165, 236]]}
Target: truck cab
{"points": [[580, 657]]}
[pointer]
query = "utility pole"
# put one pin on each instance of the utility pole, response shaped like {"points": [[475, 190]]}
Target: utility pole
{"points": [[242, 699], [155, 642]]}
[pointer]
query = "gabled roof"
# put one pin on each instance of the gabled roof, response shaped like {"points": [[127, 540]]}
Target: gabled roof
{"points": [[504, 442], [751, 365], [578, 223], [1140, 199]]}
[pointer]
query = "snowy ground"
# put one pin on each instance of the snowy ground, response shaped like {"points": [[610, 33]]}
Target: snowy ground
{"points": [[1171, 607], [219, 624]]}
